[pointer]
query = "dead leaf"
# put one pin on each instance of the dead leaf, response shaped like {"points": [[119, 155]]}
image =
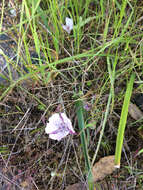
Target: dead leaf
{"points": [[103, 167], [135, 112], [76, 186]]}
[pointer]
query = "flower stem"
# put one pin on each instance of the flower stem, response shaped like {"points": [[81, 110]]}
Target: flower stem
{"points": [[79, 108]]}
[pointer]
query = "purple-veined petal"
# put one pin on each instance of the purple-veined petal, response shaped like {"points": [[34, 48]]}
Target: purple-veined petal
{"points": [[59, 136], [59, 126], [68, 123]]}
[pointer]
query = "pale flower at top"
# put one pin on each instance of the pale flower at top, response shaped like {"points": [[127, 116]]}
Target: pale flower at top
{"points": [[69, 25], [59, 126]]}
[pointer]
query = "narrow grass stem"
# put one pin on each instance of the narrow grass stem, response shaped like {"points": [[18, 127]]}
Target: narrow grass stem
{"points": [[2, 14], [79, 107], [103, 127]]}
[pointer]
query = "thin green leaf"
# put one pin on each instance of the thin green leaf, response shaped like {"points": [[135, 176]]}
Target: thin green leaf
{"points": [[123, 120], [79, 108]]}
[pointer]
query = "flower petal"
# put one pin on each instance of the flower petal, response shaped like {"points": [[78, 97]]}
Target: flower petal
{"points": [[68, 123], [50, 128], [69, 23], [59, 135], [66, 29], [59, 126], [55, 119]]}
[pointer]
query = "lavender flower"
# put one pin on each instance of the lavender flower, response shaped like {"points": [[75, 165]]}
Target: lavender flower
{"points": [[59, 126], [87, 106], [69, 25]]}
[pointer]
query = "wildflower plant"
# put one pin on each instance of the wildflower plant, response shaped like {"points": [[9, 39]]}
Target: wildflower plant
{"points": [[59, 126], [69, 25]]}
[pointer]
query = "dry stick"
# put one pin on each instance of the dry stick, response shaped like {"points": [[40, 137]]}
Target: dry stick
{"points": [[103, 127], [10, 181], [15, 143], [21, 119]]}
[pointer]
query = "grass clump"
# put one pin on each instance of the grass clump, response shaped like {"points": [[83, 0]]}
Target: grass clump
{"points": [[96, 58]]}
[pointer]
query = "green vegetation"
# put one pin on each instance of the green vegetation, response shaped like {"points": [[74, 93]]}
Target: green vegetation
{"points": [[123, 121], [80, 111], [47, 66]]}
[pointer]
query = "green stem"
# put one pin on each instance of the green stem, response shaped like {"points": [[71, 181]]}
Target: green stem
{"points": [[79, 108], [123, 120]]}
